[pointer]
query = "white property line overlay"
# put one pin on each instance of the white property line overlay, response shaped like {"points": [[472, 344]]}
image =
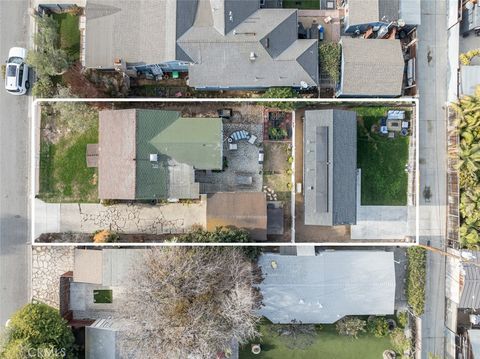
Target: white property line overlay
{"points": [[405, 100]]}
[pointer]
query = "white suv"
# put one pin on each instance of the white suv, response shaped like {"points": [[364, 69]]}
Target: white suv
{"points": [[16, 72]]}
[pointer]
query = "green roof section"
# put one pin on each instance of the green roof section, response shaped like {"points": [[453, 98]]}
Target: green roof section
{"points": [[196, 142]]}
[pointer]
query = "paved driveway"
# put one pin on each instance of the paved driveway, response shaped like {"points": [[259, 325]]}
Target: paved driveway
{"points": [[120, 218]]}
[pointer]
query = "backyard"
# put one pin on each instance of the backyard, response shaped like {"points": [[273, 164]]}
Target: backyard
{"points": [[64, 175], [277, 169], [326, 344], [382, 161]]}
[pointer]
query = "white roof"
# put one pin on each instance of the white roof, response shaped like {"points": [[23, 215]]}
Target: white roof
{"points": [[474, 335], [327, 287]]}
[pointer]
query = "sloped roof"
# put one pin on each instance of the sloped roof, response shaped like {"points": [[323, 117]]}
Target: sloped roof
{"points": [[117, 151], [182, 145], [469, 79], [327, 287], [247, 210], [224, 60], [361, 12], [470, 291], [474, 337], [136, 31], [371, 67], [330, 167]]}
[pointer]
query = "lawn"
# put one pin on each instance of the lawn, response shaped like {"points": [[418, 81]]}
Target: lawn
{"points": [[64, 175], [382, 161], [69, 34], [327, 344], [302, 4]]}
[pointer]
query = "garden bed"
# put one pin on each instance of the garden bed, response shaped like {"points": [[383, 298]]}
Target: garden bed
{"points": [[382, 161], [277, 173]]}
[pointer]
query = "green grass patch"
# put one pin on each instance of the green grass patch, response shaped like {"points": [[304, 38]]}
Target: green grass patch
{"points": [[69, 34], [64, 175], [301, 4], [382, 161], [327, 344], [415, 284], [102, 296]]}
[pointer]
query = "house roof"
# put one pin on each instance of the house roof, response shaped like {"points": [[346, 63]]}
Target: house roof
{"points": [[361, 12], [371, 67], [223, 59], [182, 145], [247, 210], [124, 29], [330, 167], [327, 287], [116, 164], [469, 79], [470, 291], [474, 337]]}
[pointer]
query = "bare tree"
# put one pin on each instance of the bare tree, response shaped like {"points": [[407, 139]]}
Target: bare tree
{"points": [[188, 302]]}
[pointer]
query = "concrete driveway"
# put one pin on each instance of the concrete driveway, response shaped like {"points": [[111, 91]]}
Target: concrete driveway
{"points": [[120, 218]]}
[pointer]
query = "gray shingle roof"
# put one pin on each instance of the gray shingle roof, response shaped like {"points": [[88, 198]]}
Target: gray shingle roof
{"points": [[470, 294], [361, 12], [225, 60], [330, 167], [326, 287], [140, 31], [371, 67]]}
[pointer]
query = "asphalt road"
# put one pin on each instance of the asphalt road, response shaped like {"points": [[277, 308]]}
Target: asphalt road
{"points": [[14, 159], [432, 67]]}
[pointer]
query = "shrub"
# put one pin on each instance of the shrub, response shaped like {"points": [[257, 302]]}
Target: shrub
{"points": [[105, 236], [44, 87], [402, 318], [416, 279], [280, 92], [467, 57], [351, 326], [400, 343], [378, 326], [329, 57], [38, 327], [276, 133]]}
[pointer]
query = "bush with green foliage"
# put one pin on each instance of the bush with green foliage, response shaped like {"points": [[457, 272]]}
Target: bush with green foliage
{"points": [[402, 318], [280, 93], [39, 329], [415, 282], [276, 133], [329, 54], [378, 326], [221, 235], [44, 87], [400, 343], [351, 326], [47, 58]]}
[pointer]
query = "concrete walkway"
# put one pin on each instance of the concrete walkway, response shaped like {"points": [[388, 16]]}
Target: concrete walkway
{"points": [[120, 218]]}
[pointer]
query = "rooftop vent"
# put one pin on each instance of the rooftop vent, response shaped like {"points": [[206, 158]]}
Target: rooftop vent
{"points": [[153, 157], [253, 56], [274, 264]]}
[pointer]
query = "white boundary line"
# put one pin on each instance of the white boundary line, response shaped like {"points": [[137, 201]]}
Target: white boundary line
{"points": [[33, 167]]}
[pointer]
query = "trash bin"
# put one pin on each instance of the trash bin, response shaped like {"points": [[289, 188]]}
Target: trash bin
{"points": [[321, 31]]}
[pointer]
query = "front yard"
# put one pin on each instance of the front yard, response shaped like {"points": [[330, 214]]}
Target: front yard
{"points": [[64, 175], [382, 161], [327, 344], [69, 34]]}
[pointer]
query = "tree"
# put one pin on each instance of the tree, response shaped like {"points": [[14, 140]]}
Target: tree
{"points": [[351, 326], [378, 326], [294, 335], [47, 58], [329, 57], [399, 341], [38, 330], [280, 93], [183, 301]]}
